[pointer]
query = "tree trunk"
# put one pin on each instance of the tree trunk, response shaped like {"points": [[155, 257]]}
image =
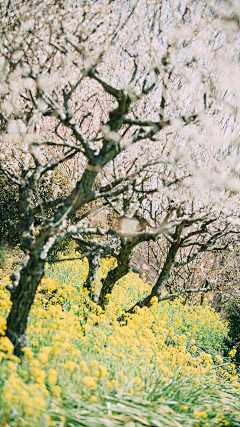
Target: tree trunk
{"points": [[90, 284], [28, 275], [217, 300], [123, 267], [109, 282], [25, 282], [163, 277]]}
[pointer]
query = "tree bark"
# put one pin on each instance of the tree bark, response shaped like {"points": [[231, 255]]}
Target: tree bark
{"points": [[28, 275], [93, 262], [123, 267], [109, 282], [25, 282], [164, 276]]}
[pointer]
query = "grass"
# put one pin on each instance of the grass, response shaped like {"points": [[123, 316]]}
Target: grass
{"points": [[162, 367]]}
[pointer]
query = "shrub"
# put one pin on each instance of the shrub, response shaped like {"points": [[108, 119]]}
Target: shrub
{"points": [[10, 226], [233, 318]]}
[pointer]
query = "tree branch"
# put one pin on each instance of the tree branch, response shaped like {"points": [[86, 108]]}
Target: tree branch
{"points": [[17, 180]]}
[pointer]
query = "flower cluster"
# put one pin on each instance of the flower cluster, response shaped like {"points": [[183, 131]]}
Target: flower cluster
{"points": [[77, 349]]}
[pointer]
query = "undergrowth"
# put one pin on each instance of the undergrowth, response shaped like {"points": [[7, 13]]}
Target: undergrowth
{"points": [[160, 367]]}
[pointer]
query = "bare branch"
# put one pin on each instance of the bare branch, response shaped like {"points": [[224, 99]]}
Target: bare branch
{"points": [[69, 155], [184, 292], [14, 178]]}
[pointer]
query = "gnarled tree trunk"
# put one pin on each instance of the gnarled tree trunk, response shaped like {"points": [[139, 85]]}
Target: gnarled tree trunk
{"points": [[28, 275], [25, 282], [122, 268]]}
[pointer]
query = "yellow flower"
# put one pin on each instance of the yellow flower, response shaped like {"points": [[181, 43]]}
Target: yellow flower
{"points": [[122, 355], [39, 374], [6, 345], [52, 376], [46, 349], [112, 384], [35, 363], [94, 363], [218, 359], [93, 399], [234, 378], [199, 414], [103, 371], [70, 365], [89, 382], [39, 401], [29, 407], [56, 390], [232, 354], [43, 357], [138, 381], [3, 325], [28, 352], [12, 366], [83, 365]]}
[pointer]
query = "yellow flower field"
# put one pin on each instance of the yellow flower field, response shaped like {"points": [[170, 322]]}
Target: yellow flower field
{"points": [[161, 366]]}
